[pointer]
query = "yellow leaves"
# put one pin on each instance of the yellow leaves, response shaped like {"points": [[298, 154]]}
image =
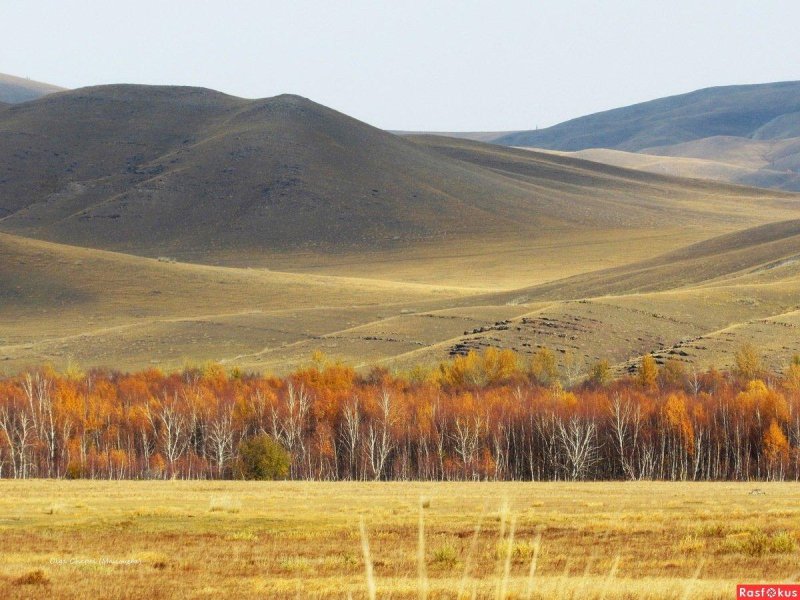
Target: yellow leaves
{"points": [[118, 458], [499, 365], [748, 361], [673, 372], [490, 367], [648, 372], [792, 377], [543, 366], [768, 402], [677, 417], [600, 374], [214, 374], [137, 415], [319, 359], [565, 399], [775, 444]]}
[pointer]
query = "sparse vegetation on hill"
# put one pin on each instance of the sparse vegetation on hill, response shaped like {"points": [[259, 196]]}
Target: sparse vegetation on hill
{"points": [[746, 134], [196, 174], [381, 250], [762, 111]]}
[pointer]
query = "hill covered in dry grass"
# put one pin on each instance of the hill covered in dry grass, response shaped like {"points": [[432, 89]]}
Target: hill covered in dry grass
{"points": [[748, 134], [762, 111], [327, 233], [196, 173]]}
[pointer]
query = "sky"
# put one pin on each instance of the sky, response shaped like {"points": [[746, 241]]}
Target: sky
{"points": [[411, 65]]}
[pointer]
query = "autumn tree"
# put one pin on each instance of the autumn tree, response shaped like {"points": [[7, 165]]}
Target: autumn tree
{"points": [[775, 447], [488, 420], [543, 368], [647, 376], [748, 361], [673, 374], [600, 374]]}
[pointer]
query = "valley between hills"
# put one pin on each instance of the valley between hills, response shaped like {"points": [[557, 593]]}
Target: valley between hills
{"points": [[161, 226]]}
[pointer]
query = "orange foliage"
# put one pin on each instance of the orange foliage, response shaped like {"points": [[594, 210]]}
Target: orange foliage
{"points": [[486, 415]]}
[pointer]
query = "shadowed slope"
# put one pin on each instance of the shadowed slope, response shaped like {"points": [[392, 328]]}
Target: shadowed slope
{"points": [[132, 167], [765, 111], [106, 308], [191, 172], [748, 135], [580, 189]]}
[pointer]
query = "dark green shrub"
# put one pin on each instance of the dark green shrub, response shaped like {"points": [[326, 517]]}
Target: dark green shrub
{"points": [[262, 458]]}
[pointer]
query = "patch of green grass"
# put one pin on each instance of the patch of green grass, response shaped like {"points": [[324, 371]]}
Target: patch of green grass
{"points": [[759, 543], [445, 555]]}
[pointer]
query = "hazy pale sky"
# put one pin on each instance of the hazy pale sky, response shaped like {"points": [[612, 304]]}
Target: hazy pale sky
{"points": [[418, 65]]}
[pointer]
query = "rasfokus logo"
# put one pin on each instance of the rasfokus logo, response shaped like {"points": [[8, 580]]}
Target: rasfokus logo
{"points": [[768, 590]]}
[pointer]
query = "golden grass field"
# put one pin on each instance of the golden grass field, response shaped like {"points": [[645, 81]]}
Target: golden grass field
{"points": [[191, 539]]}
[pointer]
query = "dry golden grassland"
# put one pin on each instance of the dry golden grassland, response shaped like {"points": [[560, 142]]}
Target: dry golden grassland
{"points": [[168, 539]]}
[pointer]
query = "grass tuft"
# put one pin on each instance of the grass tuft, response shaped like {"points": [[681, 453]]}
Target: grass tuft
{"points": [[517, 551], [691, 543], [445, 555], [759, 543], [36, 577], [242, 536]]}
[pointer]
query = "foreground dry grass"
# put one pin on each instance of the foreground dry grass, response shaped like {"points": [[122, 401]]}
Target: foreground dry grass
{"points": [[241, 539]]}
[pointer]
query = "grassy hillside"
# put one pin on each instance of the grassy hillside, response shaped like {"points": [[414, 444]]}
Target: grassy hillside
{"points": [[191, 170], [764, 111], [18, 89], [193, 173], [330, 234], [697, 304], [747, 135], [61, 303], [758, 173]]}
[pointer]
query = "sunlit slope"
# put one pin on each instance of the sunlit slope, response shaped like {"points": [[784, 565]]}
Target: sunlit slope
{"points": [[695, 305], [61, 303], [758, 248], [769, 164]]}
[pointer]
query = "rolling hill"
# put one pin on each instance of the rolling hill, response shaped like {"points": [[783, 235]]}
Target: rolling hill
{"points": [[762, 111], [62, 304], [194, 173], [18, 89], [380, 248], [67, 305], [696, 305], [748, 135]]}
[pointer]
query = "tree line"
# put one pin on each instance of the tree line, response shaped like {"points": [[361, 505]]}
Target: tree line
{"points": [[484, 416]]}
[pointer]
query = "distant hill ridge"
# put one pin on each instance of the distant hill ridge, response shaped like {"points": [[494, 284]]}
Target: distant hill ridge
{"points": [[18, 89], [744, 134], [760, 111]]}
